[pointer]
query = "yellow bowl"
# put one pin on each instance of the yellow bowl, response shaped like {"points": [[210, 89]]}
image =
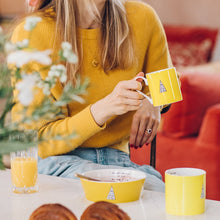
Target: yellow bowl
{"points": [[116, 185]]}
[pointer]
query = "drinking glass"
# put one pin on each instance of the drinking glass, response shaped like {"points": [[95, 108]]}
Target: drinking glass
{"points": [[24, 170]]}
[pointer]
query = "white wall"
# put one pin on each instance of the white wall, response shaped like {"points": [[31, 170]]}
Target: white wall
{"points": [[188, 12]]}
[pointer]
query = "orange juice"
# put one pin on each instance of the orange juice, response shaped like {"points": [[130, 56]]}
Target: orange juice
{"points": [[24, 172]]}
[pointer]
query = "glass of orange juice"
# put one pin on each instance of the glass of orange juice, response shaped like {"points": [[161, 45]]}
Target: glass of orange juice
{"points": [[24, 171]]}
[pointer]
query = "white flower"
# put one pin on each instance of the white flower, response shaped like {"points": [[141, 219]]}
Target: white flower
{"points": [[63, 78], [40, 84], [9, 47], [20, 58], [31, 22], [46, 89], [22, 44], [68, 53], [66, 46], [25, 88], [58, 71], [72, 58]]}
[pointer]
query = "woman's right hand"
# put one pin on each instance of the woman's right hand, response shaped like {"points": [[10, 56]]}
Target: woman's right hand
{"points": [[122, 99]]}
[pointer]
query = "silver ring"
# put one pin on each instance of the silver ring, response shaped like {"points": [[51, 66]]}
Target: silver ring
{"points": [[149, 130]]}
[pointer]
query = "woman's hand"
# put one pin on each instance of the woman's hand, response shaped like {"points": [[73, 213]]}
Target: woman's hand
{"points": [[144, 125], [122, 99]]}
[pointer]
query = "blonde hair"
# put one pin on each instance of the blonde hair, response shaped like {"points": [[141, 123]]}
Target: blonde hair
{"points": [[116, 49]]}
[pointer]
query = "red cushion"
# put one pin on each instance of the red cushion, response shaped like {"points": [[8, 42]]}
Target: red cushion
{"points": [[210, 129], [190, 45], [200, 91]]}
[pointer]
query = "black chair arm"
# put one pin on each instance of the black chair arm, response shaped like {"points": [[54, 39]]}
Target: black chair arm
{"points": [[154, 142]]}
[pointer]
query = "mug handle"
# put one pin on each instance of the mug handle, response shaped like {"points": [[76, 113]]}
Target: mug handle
{"points": [[146, 83]]}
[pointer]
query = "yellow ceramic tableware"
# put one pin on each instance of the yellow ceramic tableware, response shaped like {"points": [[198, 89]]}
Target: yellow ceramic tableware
{"points": [[115, 185], [185, 191], [164, 86]]}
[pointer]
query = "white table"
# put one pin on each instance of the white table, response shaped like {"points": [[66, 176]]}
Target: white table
{"points": [[69, 193]]}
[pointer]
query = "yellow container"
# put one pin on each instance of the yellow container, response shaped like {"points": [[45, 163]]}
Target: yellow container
{"points": [[116, 185], [185, 191], [163, 85], [24, 172]]}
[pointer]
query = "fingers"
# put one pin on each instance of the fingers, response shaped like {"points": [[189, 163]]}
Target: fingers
{"points": [[154, 131], [147, 135], [134, 131], [128, 101], [139, 74], [141, 130], [129, 84], [130, 94], [144, 126], [125, 95]]}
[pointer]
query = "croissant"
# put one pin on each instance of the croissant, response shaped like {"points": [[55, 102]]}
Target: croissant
{"points": [[52, 212], [104, 211]]}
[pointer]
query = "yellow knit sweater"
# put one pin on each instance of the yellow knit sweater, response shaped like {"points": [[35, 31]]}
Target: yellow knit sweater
{"points": [[152, 54]]}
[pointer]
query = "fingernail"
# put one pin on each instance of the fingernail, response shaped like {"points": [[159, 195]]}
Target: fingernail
{"points": [[139, 86], [147, 143], [140, 146], [136, 147], [131, 145]]}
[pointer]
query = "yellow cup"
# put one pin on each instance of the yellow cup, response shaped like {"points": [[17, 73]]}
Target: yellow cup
{"points": [[164, 86], [185, 190]]}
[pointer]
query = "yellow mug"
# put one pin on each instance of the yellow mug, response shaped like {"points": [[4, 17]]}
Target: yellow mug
{"points": [[185, 191], [163, 85]]}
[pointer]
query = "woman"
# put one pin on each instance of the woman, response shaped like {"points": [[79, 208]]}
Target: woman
{"points": [[114, 41]]}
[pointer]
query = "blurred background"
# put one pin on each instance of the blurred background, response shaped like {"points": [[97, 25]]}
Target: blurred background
{"points": [[202, 13], [187, 12], [11, 8]]}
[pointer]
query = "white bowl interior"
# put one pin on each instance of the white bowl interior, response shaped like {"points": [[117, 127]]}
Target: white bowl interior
{"points": [[116, 175]]}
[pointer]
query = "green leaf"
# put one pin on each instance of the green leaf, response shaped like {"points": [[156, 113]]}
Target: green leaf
{"points": [[61, 56], [2, 167], [8, 147]]}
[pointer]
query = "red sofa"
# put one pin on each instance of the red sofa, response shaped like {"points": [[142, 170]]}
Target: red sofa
{"points": [[190, 131]]}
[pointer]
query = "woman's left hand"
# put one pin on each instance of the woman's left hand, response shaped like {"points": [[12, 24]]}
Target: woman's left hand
{"points": [[144, 124]]}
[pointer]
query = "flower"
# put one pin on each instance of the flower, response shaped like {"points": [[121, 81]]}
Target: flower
{"points": [[20, 58], [46, 89], [31, 22], [58, 71], [71, 57], [67, 53], [66, 46], [9, 47], [22, 44], [25, 88]]}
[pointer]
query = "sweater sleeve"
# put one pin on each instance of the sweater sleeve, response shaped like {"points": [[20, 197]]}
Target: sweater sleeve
{"points": [[82, 124]]}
